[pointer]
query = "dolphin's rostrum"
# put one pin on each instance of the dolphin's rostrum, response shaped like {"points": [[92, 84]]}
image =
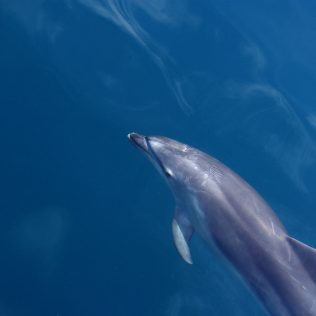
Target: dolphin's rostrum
{"points": [[225, 211]]}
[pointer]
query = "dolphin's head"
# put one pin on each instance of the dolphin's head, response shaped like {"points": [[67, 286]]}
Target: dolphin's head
{"points": [[176, 162]]}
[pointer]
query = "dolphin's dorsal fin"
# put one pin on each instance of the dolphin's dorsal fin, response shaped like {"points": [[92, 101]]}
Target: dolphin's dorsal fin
{"points": [[182, 231], [306, 254]]}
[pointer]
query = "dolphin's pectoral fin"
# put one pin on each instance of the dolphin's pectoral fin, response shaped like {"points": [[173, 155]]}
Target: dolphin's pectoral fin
{"points": [[182, 231], [306, 254]]}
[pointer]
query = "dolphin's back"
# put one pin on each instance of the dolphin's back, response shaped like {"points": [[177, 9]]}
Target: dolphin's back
{"points": [[253, 239], [226, 189]]}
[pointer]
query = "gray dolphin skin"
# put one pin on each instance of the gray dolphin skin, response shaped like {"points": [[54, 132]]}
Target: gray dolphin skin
{"points": [[214, 202]]}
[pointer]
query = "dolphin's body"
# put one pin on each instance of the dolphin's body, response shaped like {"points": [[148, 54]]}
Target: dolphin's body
{"points": [[229, 214]]}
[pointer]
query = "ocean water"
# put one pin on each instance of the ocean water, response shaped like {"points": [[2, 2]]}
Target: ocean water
{"points": [[85, 221]]}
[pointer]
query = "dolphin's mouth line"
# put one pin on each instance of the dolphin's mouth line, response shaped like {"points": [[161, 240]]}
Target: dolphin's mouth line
{"points": [[152, 153], [143, 143], [134, 138]]}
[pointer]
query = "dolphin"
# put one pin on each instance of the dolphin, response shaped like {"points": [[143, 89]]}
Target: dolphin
{"points": [[224, 210]]}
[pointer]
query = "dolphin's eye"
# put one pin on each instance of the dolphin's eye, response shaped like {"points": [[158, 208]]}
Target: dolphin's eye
{"points": [[168, 173]]}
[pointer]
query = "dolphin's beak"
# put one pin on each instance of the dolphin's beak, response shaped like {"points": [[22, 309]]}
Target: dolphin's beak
{"points": [[139, 141], [143, 143]]}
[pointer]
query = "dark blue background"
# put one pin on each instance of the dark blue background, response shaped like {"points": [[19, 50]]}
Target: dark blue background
{"points": [[84, 219]]}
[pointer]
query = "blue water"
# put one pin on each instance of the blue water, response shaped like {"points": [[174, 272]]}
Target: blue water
{"points": [[84, 218]]}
